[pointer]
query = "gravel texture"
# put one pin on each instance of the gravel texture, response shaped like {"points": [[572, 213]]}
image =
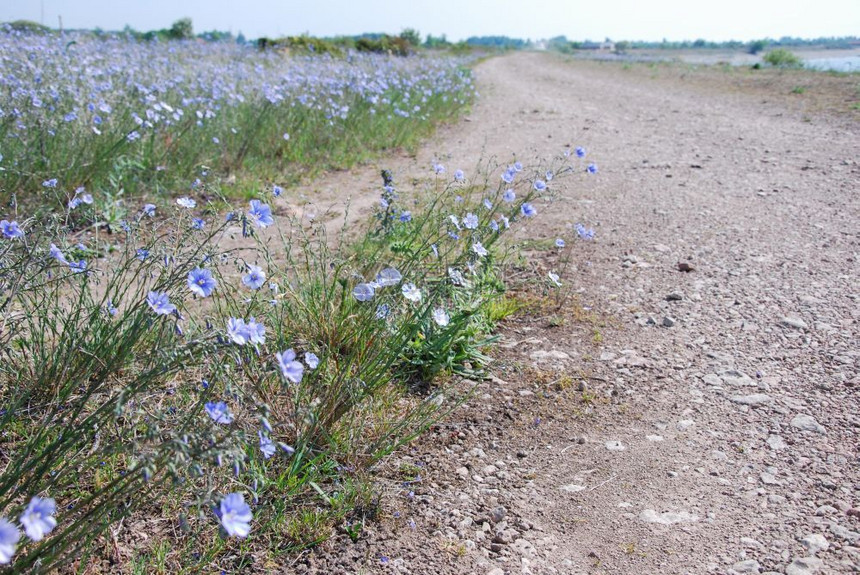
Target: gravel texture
{"points": [[690, 422]]}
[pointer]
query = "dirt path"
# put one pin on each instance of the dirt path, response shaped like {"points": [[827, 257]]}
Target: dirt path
{"points": [[716, 427]]}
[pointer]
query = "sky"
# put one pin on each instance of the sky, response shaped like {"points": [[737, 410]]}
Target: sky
{"points": [[528, 19]]}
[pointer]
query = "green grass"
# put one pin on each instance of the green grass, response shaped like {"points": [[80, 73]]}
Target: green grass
{"points": [[106, 412]]}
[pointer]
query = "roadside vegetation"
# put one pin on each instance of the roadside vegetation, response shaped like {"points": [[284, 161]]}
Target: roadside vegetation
{"points": [[191, 382]]}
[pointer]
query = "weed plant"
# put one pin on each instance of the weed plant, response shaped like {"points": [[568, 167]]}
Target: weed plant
{"points": [[236, 379]]}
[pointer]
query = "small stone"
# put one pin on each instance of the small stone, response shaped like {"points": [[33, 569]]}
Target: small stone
{"points": [[804, 566], [685, 424], [736, 378], [826, 510], [496, 571], [748, 566], [807, 423], [712, 379], [572, 488], [769, 479], [498, 513], [776, 442], [668, 321], [551, 355], [794, 323], [815, 543], [654, 437], [615, 446], [674, 296], [753, 400], [667, 518], [582, 440]]}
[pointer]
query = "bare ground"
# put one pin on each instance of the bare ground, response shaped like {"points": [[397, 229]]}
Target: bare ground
{"points": [[701, 422]]}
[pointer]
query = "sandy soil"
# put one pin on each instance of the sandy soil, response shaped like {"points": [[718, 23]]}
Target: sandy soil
{"points": [[701, 422]]}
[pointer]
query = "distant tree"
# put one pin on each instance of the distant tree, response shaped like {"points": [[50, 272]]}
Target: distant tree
{"points": [[240, 38], [700, 43], [622, 46], [756, 46], [182, 29], [412, 36]]}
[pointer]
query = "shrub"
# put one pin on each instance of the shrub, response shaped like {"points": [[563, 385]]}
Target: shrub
{"points": [[782, 58]]}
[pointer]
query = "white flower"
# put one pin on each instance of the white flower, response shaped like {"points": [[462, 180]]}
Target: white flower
{"points": [[479, 249], [411, 292], [554, 278], [440, 316]]}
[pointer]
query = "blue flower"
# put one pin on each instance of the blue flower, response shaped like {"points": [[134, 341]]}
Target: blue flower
{"points": [[312, 360], [110, 308], [149, 210], [277, 190], [480, 250], [583, 232], [10, 230], [528, 210], [488, 204], [363, 292], [388, 277], [201, 282], [592, 168], [290, 368], [439, 168], [9, 537], [78, 267], [540, 185], [440, 316], [383, 311], [509, 196], [160, 303], [52, 183], [459, 175], [518, 166], [548, 175], [255, 278], [58, 255], [142, 254], [406, 216], [198, 224], [470, 222], [267, 446], [235, 515], [38, 519], [261, 214], [219, 412], [242, 333], [186, 202], [508, 176], [580, 152], [559, 243]]}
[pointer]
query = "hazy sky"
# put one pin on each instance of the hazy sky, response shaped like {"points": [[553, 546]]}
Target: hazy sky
{"points": [[576, 19]]}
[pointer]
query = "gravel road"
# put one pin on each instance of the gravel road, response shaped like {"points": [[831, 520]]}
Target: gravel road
{"points": [[716, 426]]}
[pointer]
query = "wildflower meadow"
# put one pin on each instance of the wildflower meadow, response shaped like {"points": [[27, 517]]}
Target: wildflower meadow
{"points": [[175, 351]]}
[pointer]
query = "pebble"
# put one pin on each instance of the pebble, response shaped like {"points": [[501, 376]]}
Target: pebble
{"points": [[814, 543], [654, 437], [551, 355], [804, 566], [752, 399], [668, 321], [747, 566], [685, 424], [496, 571], [615, 446], [776, 442], [667, 518], [807, 423], [498, 513], [794, 323], [674, 296]]}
